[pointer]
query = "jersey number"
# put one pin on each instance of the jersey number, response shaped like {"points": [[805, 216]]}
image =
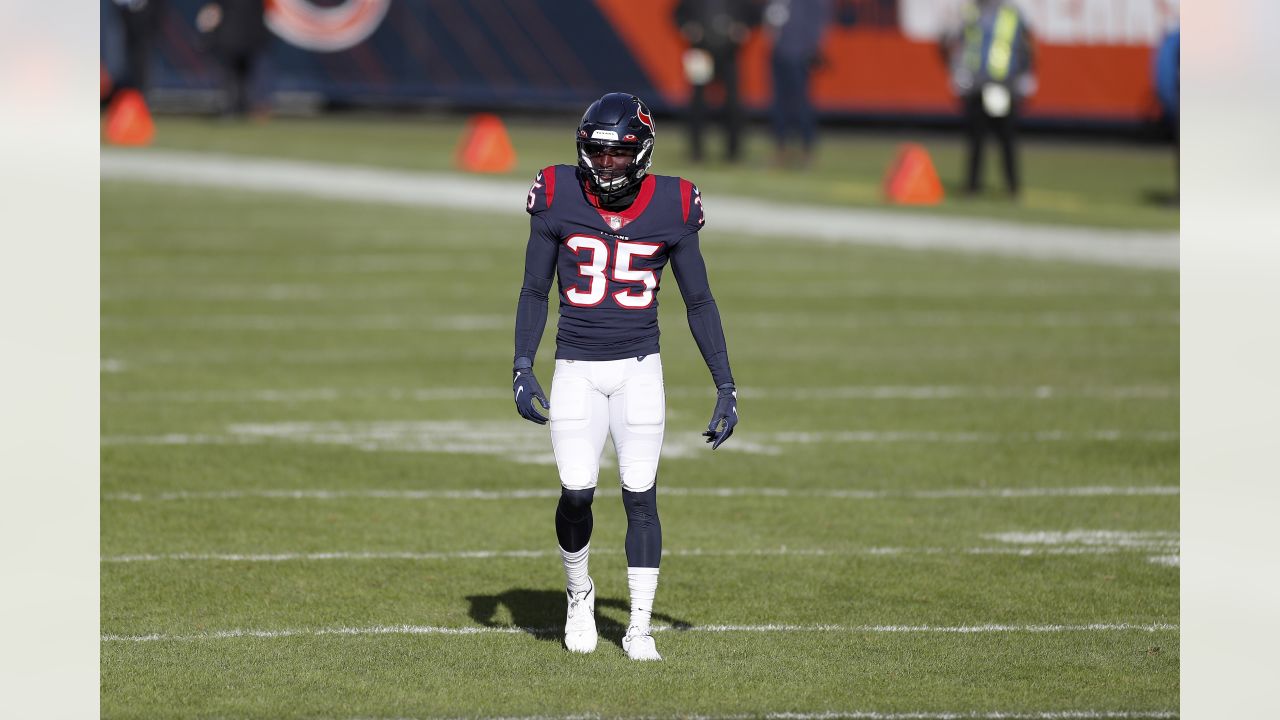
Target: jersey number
{"points": [[595, 267]]}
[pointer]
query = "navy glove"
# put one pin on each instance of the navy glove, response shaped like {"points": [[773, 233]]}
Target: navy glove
{"points": [[526, 388], [726, 412]]}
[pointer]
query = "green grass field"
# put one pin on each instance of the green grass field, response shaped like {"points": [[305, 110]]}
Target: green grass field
{"points": [[953, 492]]}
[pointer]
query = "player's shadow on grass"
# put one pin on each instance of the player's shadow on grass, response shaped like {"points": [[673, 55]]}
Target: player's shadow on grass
{"points": [[541, 614]]}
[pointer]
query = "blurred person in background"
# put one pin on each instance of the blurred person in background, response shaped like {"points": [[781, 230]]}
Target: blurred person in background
{"points": [[235, 33], [607, 227], [1167, 82], [797, 28], [992, 60], [141, 22], [715, 30]]}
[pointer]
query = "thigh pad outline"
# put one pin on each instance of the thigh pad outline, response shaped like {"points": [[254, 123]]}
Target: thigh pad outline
{"points": [[645, 402], [570, 399]]}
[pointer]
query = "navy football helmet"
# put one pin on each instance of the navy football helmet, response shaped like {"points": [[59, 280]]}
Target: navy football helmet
{"points": [[616, 124]]}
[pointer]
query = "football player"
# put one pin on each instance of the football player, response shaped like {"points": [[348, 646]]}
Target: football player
{"points": [[607, 228]]}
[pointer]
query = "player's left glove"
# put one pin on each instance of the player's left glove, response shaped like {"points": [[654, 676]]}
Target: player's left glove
{"points": [[726, 414], [526, 388]]}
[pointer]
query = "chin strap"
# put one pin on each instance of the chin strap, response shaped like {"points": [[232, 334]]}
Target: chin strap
{"points": [[619, 202], [615, 201]]}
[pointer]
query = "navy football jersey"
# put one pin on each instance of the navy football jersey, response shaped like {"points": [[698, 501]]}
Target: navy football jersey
{"points": [[610, 264]]}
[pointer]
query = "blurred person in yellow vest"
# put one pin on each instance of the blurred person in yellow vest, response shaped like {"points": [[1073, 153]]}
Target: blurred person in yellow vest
{"points": [[992, 61]]}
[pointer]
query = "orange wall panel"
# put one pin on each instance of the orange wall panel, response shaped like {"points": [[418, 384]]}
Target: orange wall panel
{"points": [[878, 70]]}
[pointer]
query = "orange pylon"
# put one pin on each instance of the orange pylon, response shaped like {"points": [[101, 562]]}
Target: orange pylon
{"points": [[485, 146], [912, 179], [128, 120]]}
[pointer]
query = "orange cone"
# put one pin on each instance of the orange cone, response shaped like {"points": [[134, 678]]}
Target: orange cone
{"points": [[911, 179], [485, 146], [128, 120]]}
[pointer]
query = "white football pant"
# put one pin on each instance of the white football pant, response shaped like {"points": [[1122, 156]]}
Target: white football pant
{"points": [[593, 399]]}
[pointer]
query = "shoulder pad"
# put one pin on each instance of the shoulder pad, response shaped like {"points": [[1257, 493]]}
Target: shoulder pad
{"points": [[542, 192], [691, 206]]}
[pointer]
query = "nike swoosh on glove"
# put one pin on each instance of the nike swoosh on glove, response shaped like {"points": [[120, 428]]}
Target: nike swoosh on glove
{"points": [[726, 414], [526, 388]]}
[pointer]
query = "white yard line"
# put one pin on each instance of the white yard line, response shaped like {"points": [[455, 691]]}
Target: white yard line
{"points": [[1144, 539], [513, 630], [738, 216], [547, 493], [524, 443], [1165, 542], [926, 436]]}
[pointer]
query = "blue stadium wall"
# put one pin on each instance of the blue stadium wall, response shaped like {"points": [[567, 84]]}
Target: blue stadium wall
{"points": [[489, 53]]}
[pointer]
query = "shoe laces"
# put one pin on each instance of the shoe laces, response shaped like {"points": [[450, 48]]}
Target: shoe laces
{"points": [[576, 599]]}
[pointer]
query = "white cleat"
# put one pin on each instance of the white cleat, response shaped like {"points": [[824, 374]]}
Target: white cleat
{"points": [[639, 645], [580, 621]]}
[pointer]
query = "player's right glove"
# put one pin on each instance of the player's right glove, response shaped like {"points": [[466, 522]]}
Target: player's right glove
{"points": [[726, 413], [526, 388]]}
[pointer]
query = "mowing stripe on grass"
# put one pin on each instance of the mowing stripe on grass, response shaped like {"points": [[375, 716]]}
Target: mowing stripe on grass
{"points": [[555, 631], [961, 319], [843, 392], [874, 715], [960, 715], [276, 323], [508, 554], [545, 493], [871, 715], [957, 351], [740, 216]]}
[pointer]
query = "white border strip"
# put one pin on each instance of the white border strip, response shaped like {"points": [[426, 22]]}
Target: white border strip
{"points": [[772, 628], [545, 493]]}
